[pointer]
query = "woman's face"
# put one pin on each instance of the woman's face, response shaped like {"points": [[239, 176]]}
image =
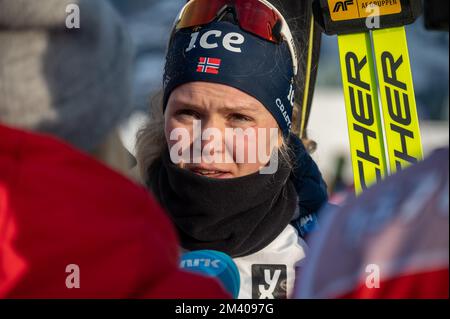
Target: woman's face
{"points": [[218, 113]]}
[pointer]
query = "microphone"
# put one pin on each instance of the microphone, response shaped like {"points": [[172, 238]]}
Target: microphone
{"points": [[215, 264]]}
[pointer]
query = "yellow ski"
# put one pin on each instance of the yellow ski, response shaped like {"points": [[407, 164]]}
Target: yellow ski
{"points": [[401, 122], [396, 122], [362, 108]]}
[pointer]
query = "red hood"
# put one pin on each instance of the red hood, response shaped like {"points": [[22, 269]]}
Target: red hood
{"points": [[60, 207]]}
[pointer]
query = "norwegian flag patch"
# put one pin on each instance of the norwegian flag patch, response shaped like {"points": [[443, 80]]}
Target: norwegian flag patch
{"points": [[208, 65]]}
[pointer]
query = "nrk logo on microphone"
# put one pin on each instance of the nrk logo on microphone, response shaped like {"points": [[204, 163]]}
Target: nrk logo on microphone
{"points": [[210, 265], [215, 264], [269, 282]]}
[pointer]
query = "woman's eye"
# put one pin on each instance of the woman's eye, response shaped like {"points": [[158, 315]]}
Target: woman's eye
{"points": [[188, 113], [240, 117]]}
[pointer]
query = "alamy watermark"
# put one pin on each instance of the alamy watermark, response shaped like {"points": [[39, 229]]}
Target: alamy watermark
{"points": [[73, 16], [73, 279], [373, 277], [373, 19], [235, 145]]}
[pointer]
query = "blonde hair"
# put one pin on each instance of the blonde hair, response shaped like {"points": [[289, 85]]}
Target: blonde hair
{"points": [[151, 141]]}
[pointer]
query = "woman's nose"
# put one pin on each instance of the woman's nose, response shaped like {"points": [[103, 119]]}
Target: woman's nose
{"points": [[213, 130]]}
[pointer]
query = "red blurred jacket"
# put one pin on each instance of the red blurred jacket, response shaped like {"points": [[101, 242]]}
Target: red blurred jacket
{"points": [[60, 207]]}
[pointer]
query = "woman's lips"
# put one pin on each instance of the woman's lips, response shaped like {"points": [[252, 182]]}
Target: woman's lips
{"points": [[211, 172]]}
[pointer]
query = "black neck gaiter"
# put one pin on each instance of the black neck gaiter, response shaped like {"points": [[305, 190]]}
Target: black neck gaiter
{"points": [[237, 216]]}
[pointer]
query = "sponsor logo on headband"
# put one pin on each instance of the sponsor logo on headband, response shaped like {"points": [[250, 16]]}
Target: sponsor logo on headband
{"points": [[282, 107], [211, 39], [284, 112]]}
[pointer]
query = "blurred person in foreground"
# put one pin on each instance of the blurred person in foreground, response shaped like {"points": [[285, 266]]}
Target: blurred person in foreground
{"points": [[391, 242], [70, 227]]}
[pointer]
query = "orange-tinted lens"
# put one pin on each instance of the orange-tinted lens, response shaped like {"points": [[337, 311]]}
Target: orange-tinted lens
{"points": [[255, 17], [200, 12]]}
